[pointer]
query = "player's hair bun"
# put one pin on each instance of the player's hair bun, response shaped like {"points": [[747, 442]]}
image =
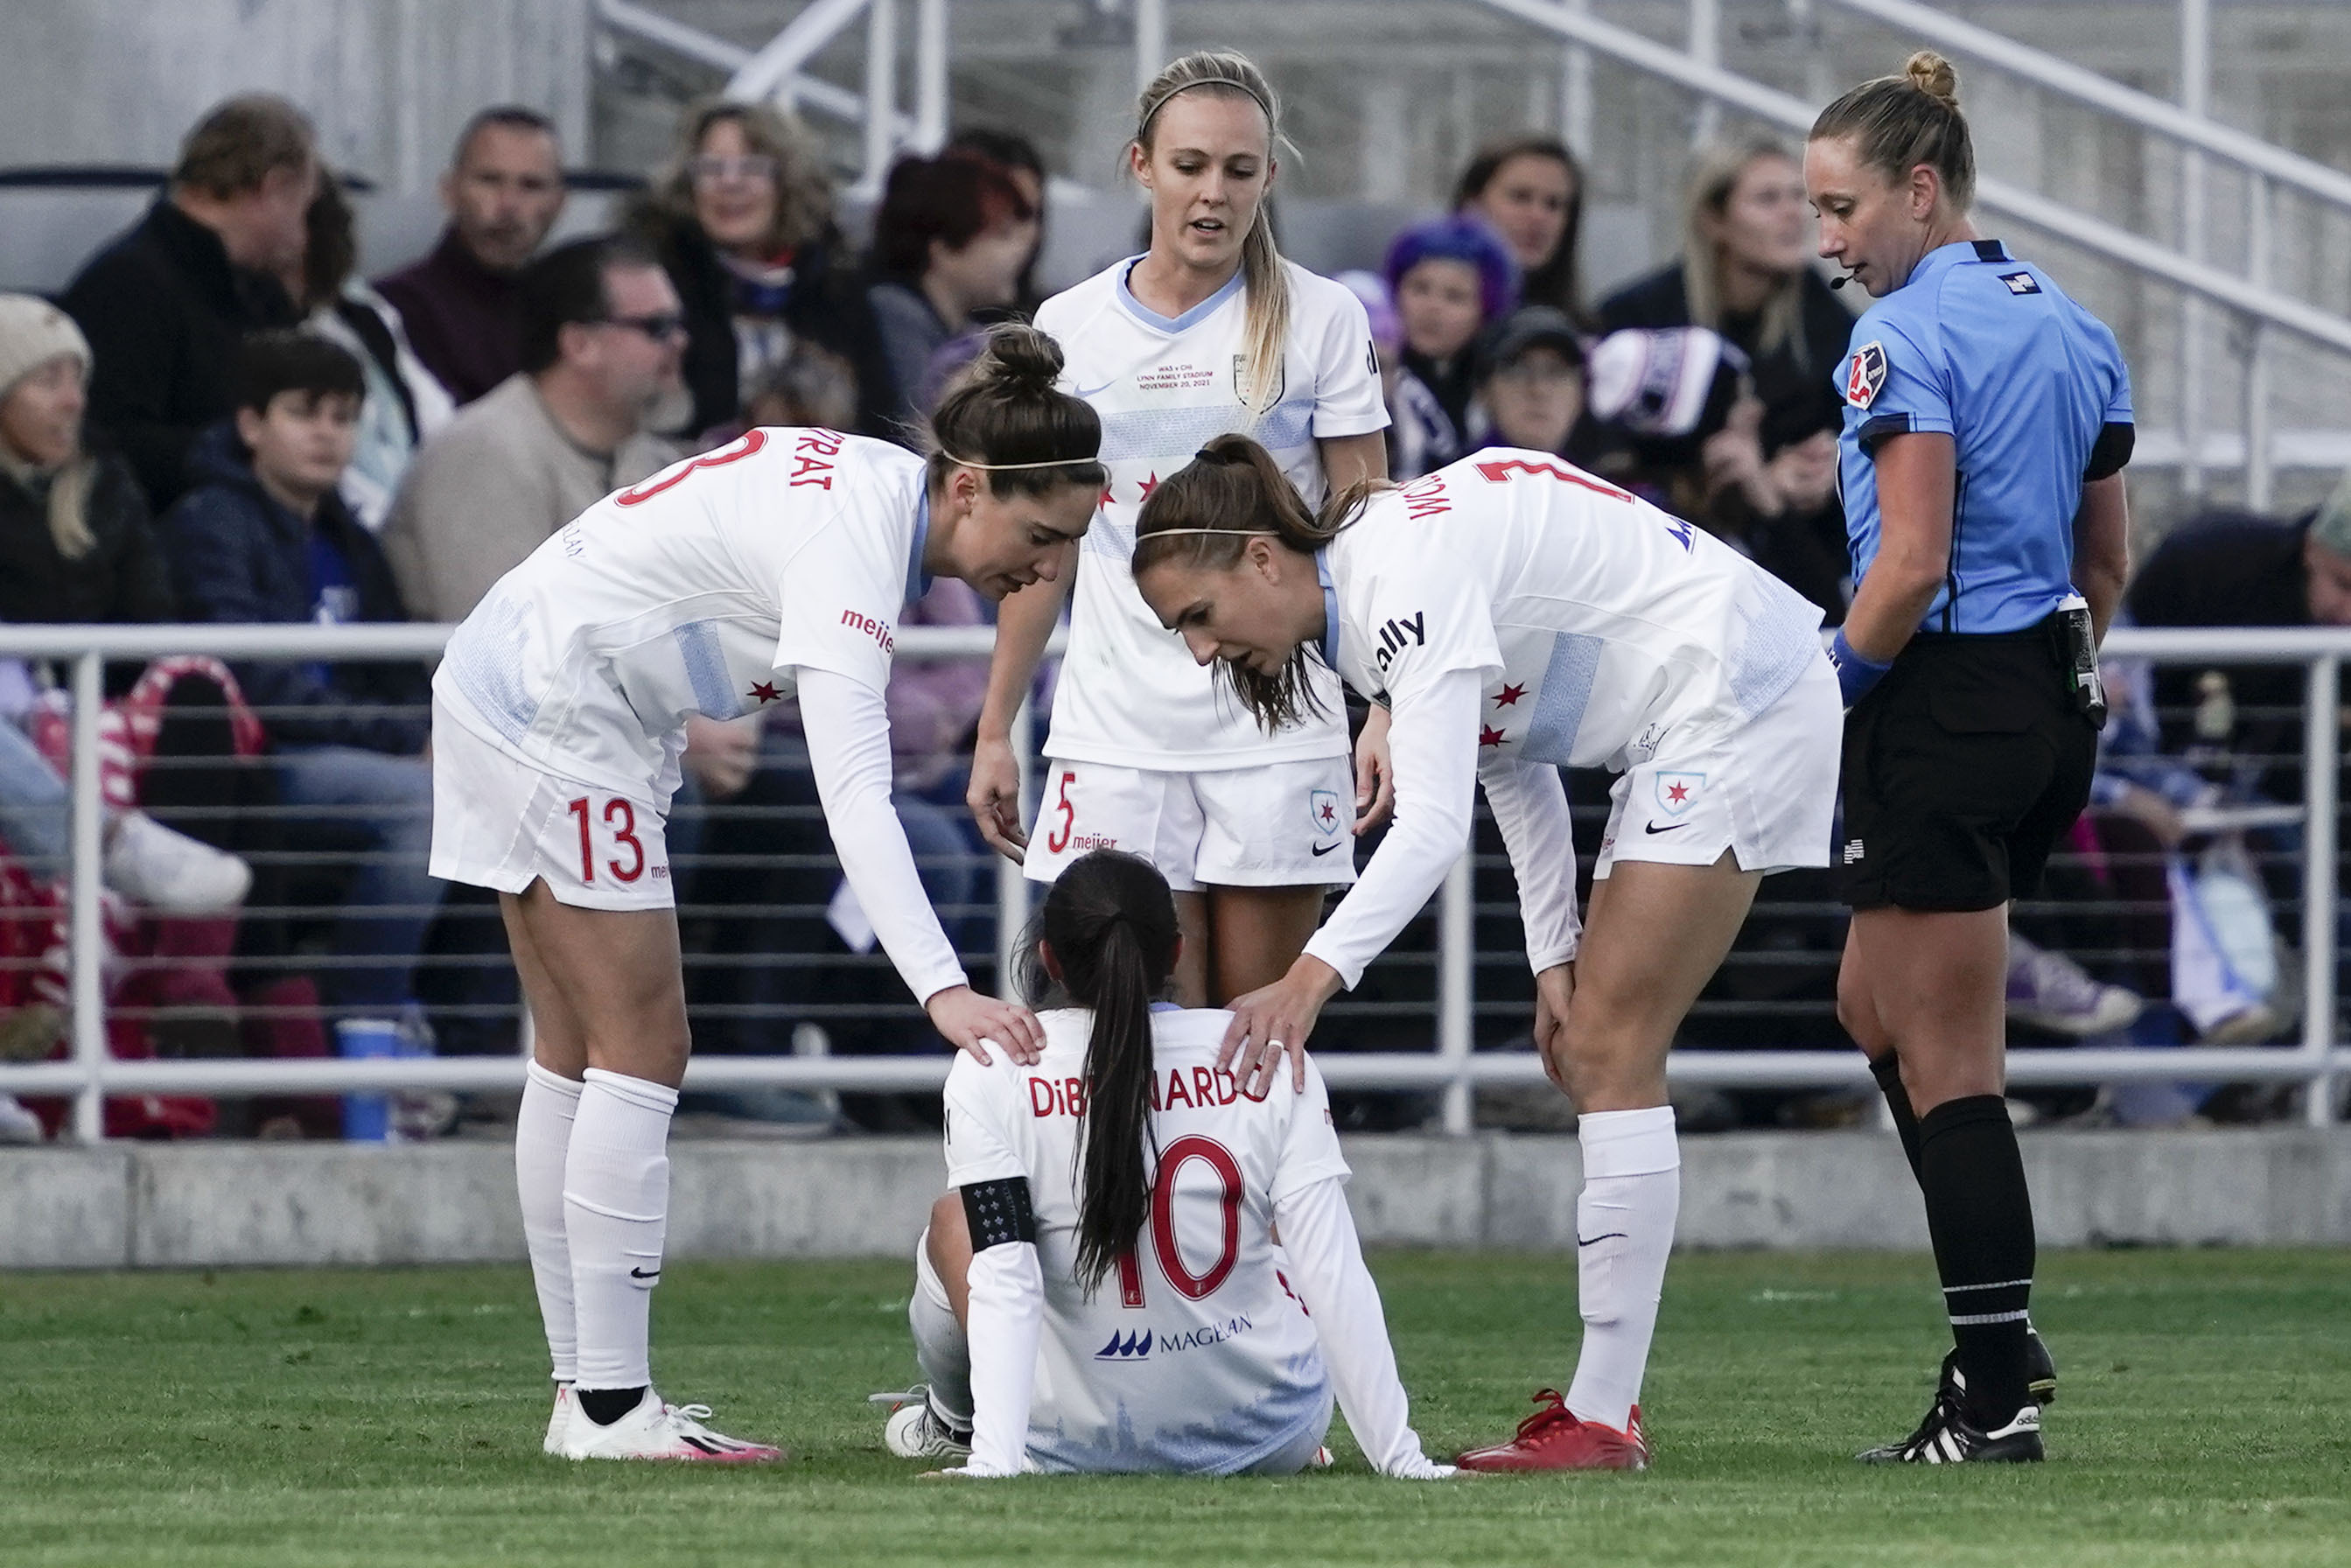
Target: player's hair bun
{"points": [[1019, 358], [1931, 74]]}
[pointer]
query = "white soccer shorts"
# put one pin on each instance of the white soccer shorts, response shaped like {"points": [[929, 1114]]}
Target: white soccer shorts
{"points": [[1285, 824]]}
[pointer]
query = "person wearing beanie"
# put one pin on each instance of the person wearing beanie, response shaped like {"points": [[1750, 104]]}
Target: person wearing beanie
{"points": [[1450, 277]]}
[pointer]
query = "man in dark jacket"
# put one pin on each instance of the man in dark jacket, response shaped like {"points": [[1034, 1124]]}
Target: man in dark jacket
{"points": [[164, 305], [263, 536], [503, 191]]}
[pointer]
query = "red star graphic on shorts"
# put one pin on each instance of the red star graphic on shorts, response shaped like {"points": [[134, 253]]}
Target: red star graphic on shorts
{"points": [[1509, 697], [765, 692], [1329, 813], [1148, 486], [1489, 736], [1677, 793]]}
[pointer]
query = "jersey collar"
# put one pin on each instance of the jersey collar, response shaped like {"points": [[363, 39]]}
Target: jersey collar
{"points": [[918, 582], [1329, 608], [1956, 254], [1171, 324]]}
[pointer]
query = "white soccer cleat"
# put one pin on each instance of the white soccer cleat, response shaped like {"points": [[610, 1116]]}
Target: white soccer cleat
{"points": [[170, 873], [558, 1424], [656, 1430], [916, 1431]]}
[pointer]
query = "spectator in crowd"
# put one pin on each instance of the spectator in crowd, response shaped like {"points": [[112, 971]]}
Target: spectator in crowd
{"points": [[950, 238], [1017, 156], [76, 546], [1387, 344], [405, 403], [1764, 476], [1529, 190], [265, 537], [743, 220], [1450, 276], [602, 336], [504, 190], [1530, 381], [165, 304]]}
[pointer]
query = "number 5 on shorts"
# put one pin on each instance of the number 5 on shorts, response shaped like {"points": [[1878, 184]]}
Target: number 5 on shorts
{"points": [[1059, 838], [623, 832]]}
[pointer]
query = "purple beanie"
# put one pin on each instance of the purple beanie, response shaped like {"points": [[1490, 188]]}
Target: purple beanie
{"points": [[1463, 239]]}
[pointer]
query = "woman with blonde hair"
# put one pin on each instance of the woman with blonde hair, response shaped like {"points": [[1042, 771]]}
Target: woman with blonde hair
{"points": [[742, 219], [1765, 475], [1209, 332]]}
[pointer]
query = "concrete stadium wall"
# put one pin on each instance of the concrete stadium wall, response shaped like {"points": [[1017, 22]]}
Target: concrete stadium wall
{"points": [[229, 1205]]}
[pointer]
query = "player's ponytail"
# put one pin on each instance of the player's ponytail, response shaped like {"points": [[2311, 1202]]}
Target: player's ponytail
{"points": [[1899, 122], [1005, 413], [1110, 922], [1204, 516], [1267, 332]]}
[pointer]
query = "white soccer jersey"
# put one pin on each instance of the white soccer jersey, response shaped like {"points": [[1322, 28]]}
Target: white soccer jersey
{"points": [[1196, 1357], [1589, 628], [703, 590], [1129, 695]]}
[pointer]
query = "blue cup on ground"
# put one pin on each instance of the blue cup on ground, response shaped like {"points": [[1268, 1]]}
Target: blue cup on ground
{"points": [[366, 1118]]}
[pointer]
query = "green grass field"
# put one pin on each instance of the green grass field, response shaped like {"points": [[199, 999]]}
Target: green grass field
{"points": [[394, 1416]]}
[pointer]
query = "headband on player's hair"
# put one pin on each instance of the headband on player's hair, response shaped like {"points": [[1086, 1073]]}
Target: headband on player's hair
{"points": [[1232, 533], [1255, 97], [1009, 467]]}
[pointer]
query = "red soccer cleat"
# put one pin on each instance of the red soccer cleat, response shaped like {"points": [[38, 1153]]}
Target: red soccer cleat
{"points": [[1555, 1438]]}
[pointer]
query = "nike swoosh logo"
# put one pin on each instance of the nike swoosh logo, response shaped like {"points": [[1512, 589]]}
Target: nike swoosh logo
{"points": [[1324, 849], [1653, 828], [640, 1274], [1082, 393], [1606, 1236]]}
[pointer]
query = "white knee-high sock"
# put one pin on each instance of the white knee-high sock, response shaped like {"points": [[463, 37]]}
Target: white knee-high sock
{"points": [[940, 1348], [616, 1213], [542, 1140], [1625, 1229]]}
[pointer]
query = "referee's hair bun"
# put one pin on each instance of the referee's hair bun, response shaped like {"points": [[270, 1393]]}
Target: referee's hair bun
{"points": [[1019, 359], [1931, 74]]}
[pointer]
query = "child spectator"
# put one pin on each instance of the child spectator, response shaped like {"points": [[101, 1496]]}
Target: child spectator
{"points": [[503, 190], [742, 219], [1530, 381], [265, 537], [950, 239], [164, 305], [1530, 191], [1450, 276]]}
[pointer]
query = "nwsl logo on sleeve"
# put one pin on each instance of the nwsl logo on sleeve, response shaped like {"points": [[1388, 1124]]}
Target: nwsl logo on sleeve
{"points": [[1865, 375]]}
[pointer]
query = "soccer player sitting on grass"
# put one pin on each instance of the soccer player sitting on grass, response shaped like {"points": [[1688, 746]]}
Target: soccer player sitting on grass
{"points": [[1104, 1291]]}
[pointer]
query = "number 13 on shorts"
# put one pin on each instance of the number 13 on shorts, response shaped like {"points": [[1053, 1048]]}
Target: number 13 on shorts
{"points": [[619, 817]]}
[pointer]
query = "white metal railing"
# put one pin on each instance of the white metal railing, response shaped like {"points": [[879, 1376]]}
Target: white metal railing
{"points": [[89, 1075]]}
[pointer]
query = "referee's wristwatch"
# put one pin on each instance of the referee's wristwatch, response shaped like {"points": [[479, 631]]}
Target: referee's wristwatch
{"points": [[1855, 675]]}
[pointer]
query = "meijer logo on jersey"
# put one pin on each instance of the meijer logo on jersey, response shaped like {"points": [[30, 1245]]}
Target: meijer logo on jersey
{"points": [[877, 630]]}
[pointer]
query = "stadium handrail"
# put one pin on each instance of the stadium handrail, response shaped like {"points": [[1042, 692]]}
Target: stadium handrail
{"points": [[89, 1075]]}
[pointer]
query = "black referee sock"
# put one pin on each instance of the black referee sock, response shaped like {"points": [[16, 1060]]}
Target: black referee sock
{"points": [[1981, 1216], [1888, 1070], [606, 1405]]}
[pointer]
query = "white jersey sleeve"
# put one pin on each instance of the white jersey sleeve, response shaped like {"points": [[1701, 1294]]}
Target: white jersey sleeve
{"points": [[842, 592], [981, 1101], [1309, 1152], [1005, 1319], [1348, 398], [848, 730], [1529, 806], [1434, 743]]}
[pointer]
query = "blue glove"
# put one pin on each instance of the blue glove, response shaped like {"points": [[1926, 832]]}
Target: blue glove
{"points": [[1855, 675]]}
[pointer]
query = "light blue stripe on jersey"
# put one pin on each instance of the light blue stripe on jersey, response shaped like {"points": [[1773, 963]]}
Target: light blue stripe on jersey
{"points": [[1187, 321], [1779, 645], [1176, 434], [706, 667], [1219, 1444], [484, 660], [1566, 692]]}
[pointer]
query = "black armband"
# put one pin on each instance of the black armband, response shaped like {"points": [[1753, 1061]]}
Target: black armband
{"points": [[998, 1213], [2110, 452]]}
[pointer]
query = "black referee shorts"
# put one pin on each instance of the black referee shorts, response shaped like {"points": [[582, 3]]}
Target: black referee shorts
{"points": [[1962, 769]]}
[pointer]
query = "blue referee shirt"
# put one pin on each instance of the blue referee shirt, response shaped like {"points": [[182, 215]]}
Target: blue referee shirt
{"points": [[2033, 391]]}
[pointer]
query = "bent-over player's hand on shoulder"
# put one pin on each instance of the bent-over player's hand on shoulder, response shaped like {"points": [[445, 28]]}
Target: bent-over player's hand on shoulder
{"points": [[1273, 1022], [994, 797], [966, 1019]]}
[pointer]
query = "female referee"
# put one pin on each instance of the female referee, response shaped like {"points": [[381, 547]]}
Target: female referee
{"points": [[1986, 420], [1519, 614], [724, 583], [1209, 330]]}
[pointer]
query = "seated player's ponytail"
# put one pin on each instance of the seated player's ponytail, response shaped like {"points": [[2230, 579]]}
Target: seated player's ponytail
{"points": [[1110, 922], [1005, 415], [1231, 492]]}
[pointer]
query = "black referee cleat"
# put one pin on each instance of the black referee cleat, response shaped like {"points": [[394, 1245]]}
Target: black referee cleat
{"points": [[1947, 1437], [2040, 1375]]}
